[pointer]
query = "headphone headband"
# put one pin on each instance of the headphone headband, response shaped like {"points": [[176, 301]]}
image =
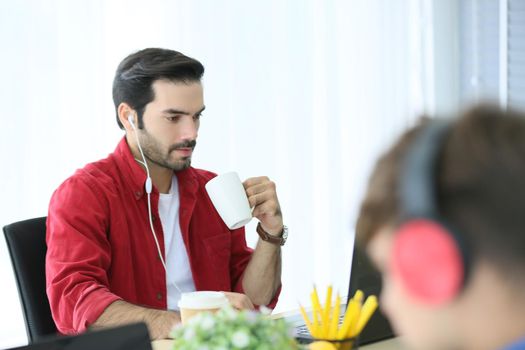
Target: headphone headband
{"points": [[428, 256], [418, 175]]}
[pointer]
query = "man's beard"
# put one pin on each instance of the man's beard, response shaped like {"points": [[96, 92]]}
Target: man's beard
{"points": [[153, 152]]}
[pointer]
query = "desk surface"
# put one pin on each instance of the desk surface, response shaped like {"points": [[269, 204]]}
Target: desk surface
{"points": [[390, 344]]}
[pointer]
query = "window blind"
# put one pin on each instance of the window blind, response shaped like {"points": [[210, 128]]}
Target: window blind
{"points": [[492, 51], [479, 52], [516, 53]]}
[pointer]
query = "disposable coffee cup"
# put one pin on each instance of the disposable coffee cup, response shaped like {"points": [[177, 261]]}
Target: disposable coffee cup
{"points": [[229, 199], [191, 304]]}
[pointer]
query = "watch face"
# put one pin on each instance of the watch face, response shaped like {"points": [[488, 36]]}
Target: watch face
{"points": [[285, 235]]}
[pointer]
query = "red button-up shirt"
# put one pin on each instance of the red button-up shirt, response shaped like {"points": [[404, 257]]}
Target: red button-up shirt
{"points": [[101, 249]]}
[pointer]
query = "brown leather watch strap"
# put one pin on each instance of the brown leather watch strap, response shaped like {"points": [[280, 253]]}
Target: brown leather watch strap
{"points": [[265, 236]]}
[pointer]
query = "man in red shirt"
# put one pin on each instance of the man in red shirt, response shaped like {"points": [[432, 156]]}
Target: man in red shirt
{"points": [[121, 250]]}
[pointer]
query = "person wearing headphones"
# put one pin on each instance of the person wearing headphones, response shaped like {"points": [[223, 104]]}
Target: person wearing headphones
{"points": [[443, 221], [128, 234]]}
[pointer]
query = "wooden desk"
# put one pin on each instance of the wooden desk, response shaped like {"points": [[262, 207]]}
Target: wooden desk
{"points": [[164, 344], [390, 344]]}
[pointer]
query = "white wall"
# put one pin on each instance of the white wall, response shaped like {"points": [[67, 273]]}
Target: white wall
{"points": [[306, 92]]}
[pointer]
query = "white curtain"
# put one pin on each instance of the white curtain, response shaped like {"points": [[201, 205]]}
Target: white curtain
{"points": [[307, 92]]}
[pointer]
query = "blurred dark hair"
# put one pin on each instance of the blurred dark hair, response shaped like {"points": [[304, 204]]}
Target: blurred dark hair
{"points": [[137, 72], [480, 186]]}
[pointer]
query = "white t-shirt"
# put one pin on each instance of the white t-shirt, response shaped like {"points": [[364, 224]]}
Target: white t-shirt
{"points": [[178, 272]]}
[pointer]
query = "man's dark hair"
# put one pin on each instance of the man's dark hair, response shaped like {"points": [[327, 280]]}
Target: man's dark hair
{"points": [[480, 186], [137, 72]]}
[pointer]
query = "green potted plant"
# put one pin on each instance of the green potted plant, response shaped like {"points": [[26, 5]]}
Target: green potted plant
{"points": [[231, 329]]}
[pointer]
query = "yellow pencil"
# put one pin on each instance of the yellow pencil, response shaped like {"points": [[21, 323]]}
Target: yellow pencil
{"points": [[352, 310], [319, 313], [368, 309], [358, 296], [306, 320], [316, 313], [334, 322], [315, 321], [326, 313], [353, 323]]}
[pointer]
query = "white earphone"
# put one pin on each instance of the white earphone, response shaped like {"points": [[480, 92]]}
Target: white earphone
{"points": [[148, 186]]}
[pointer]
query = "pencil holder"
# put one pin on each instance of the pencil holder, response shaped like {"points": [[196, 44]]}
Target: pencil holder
{"points": [[342, 344]]}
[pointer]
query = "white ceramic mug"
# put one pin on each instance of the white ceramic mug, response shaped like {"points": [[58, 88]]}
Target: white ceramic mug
{"points": [[229, 198]]}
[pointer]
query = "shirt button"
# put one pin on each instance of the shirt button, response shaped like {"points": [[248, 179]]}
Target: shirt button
{"points": [[153, 218], [159, 296], [138, 194]]}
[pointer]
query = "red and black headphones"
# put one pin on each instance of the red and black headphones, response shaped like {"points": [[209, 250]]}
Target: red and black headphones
{"points": [[428, 255]]}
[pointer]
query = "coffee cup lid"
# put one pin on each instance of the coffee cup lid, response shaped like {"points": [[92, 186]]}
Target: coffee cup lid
{"points": [[203, 300]]}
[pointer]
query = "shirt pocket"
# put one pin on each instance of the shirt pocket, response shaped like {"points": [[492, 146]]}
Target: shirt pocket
{"points": [[218, 250]]}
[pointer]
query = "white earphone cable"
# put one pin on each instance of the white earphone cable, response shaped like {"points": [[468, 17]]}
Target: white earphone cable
{"points": [[148, 187], [154, 235]]}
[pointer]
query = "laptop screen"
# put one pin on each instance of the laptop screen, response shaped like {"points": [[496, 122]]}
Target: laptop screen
{"points": [[130, 337], [365, 276]]}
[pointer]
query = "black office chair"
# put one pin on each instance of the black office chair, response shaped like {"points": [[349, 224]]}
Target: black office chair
{"points": [[26, 241]]}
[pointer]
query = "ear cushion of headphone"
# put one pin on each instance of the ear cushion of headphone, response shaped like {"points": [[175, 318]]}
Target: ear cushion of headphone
{"points": [[427, 259]]}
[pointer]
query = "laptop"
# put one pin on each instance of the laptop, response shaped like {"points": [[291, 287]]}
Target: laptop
{"points": [[129, 337], [364, 276]]}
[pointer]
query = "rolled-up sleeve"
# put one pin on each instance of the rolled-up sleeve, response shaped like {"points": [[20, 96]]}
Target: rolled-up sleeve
{"points": [[78, 255]]}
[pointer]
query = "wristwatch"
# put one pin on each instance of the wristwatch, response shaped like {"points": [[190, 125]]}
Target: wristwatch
{"points": [[265, 236]]}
